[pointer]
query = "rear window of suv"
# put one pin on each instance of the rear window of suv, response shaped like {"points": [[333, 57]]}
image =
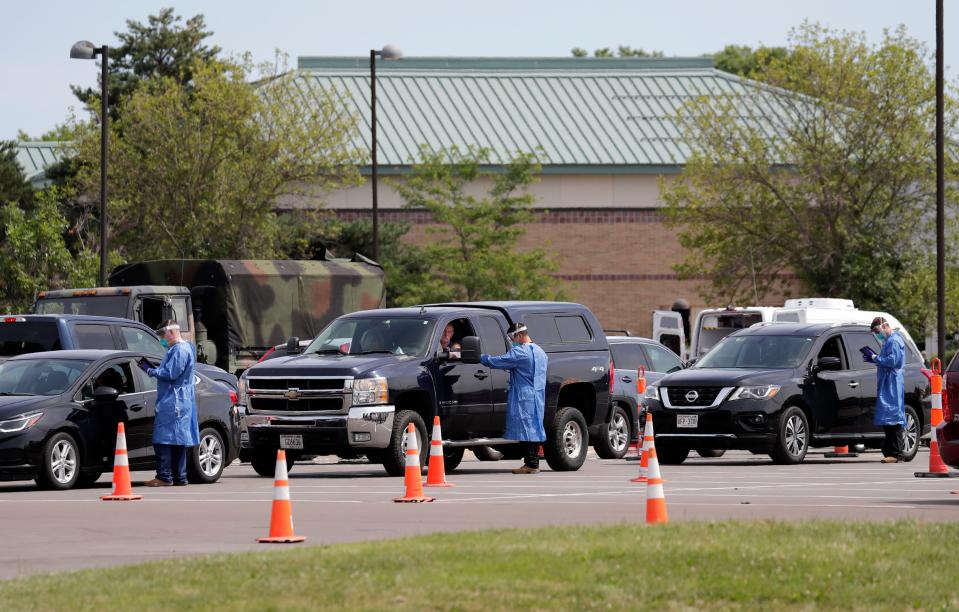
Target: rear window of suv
{"points": [[20, 337], [558, 329]]}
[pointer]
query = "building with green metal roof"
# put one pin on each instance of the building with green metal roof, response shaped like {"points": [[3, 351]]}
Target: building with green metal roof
{"points": [[34, 157]]}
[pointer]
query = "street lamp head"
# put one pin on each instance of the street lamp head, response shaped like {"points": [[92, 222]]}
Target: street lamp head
{"points": [[390, 52], [83, 49]]}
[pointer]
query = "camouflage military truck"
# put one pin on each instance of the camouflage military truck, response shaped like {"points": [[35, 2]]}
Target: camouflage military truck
{"points": [[234, 310]]}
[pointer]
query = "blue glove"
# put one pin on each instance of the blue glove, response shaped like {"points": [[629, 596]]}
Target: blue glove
{"points": [[868, 355]]}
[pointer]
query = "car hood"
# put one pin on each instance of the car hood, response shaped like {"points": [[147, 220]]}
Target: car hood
{"points": [[716, 377], [13, 405], [325, 365]]}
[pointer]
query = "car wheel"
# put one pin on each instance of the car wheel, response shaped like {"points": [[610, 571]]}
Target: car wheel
{"points": [[668, 454], [910, 443], [793, 440], [60, 468], [486, 453], [394, 460], [452, 458], [711, 453], [567, 440], [613, 439], [207, 460], [264, 462]]}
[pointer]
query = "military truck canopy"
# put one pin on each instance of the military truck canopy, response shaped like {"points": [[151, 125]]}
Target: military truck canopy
{"points": [[259, 303]]}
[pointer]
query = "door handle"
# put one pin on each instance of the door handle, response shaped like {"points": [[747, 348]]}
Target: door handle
{"points": [[481, 374], [853, 384], [626, 379], [136, 408]]}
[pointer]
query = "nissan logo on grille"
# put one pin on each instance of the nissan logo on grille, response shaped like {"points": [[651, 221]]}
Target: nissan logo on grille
{"points": [[692, 396], [292, 394]]}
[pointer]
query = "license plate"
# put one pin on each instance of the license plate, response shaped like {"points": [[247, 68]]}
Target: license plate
{"points": [[687, 420], [291, 441]]}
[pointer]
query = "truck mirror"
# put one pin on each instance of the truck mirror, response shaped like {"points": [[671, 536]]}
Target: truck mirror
{"points": [[471, 349], [167, 311], [293, 346]]}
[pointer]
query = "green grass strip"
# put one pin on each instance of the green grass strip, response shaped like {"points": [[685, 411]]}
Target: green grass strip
{"points": [[705, 566]]}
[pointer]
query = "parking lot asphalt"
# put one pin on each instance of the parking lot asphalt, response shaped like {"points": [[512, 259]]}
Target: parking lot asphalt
{"points": [[47, 531]]}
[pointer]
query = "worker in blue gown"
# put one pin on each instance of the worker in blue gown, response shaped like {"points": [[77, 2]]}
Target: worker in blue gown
{"points": [[890, 413], [175, 428], [526, 398]]}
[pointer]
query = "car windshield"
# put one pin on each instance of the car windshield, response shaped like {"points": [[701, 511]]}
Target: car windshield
{"points": [[101, 305], [757, 351], [40, 376], [366, 336]]}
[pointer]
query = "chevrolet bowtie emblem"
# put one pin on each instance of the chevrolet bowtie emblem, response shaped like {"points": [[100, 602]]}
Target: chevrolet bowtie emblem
{"points": [[292, 394]]}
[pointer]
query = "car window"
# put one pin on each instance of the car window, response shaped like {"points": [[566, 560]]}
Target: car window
{"points": [[461, 328], [492, 335], [19, 336], [542, 329], [144, 382], [118, 376], [94, 336], [180, 313], [857, 340], [39, 376], [573, 330], [833, 347], [662, 359], [141, 341], [628, 356]]}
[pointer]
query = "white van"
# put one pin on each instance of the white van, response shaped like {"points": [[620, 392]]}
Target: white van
{"points": [[714, 324]]}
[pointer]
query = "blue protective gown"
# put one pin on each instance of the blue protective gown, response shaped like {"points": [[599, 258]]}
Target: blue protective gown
{"points": [[176, 418], [890, 409], [526, 399]]}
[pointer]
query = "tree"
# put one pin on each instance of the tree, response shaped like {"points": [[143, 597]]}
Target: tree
{"points": [[827, 175], [14, 186], [621, 51], [745, 62], [164, 47], [34, 254], [474, 254], [196, 171]]}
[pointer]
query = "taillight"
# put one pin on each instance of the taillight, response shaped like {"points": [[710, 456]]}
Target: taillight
{"points": [[233, 397], [14, 320], [946, 411], [612, 375], [270, 350]]}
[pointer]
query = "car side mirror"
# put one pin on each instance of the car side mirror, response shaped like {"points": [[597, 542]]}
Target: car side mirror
{"points": [[105, 394], [470, 349], [829, 363], [293, 346]]}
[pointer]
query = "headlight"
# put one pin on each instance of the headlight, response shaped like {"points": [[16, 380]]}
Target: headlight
{"points": [[760, 392], [652, 392], [241, 391], [20, 423], [370, 391]]}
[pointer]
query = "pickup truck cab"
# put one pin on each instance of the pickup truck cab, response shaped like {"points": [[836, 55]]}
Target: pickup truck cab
{"points": [[368, 375]]}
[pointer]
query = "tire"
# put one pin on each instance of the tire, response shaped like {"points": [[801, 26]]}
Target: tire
{"points": [[567, 440], [614, 436], [207, 461], [711, 453], [910, 444], [394, 460], [486, 453], [793, 439], [452, 458], [264, 462], [668, 454], [60, 467]]}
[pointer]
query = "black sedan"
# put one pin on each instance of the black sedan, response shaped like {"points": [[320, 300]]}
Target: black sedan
{"points": [[59, 413]]}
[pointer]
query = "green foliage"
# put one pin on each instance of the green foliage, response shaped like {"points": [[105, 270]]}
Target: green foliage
{"points": [[196, 171], [13, 184], [832, 184], [164, 47], [474, 254], [621, 51], [34, 254], [744, 61]]}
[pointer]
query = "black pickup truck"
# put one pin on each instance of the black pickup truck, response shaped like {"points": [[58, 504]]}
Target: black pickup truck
{"points": [[354, 390]]}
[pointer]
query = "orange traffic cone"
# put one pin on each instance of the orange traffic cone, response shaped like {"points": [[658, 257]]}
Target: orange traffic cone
{"points": [[647, 443], [937, 469], [840, 451], [436, 473], [655, 497], [121, 470], [281, 518], [414, 481]]}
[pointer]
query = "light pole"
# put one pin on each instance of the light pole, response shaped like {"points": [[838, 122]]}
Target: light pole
{"points": [[940, 196], [85, 49], [388, 52]]}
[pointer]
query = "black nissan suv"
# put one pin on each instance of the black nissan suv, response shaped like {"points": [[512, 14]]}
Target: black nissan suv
{"points": [[780, 388]]}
